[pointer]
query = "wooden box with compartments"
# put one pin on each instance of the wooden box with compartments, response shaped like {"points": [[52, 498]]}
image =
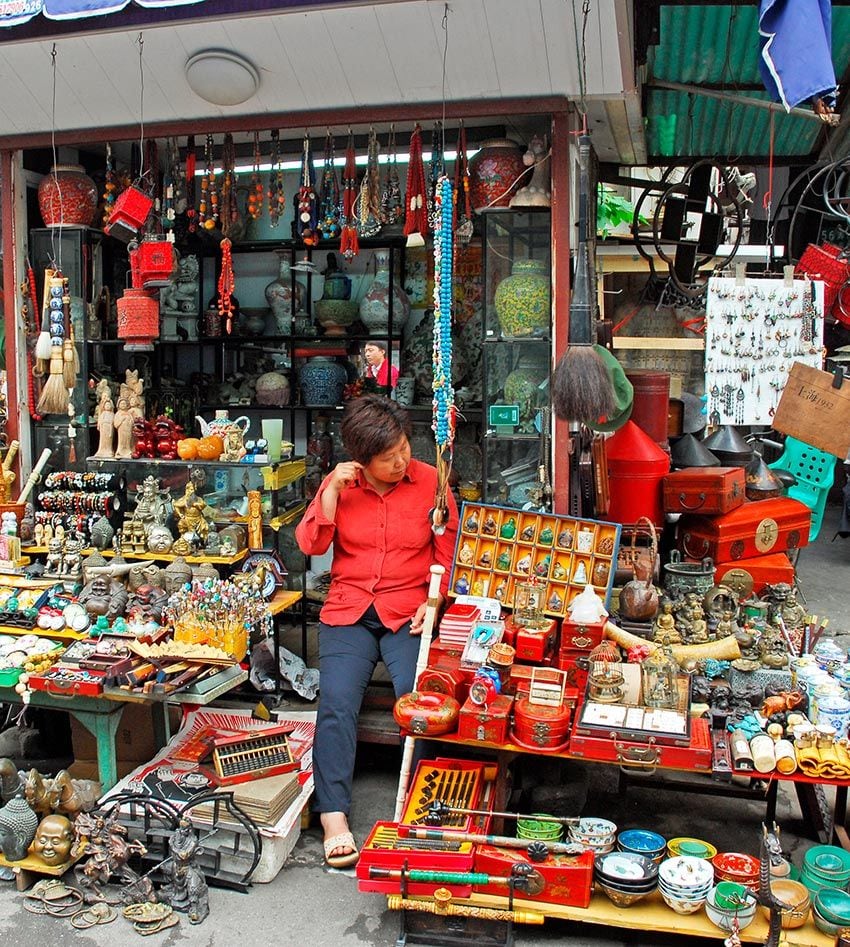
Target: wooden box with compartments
{"points": [[68, 680], [750, 576], [704, 490], [568, 878], [486, 722], [501, 548], [754, 529], [645, 753]]}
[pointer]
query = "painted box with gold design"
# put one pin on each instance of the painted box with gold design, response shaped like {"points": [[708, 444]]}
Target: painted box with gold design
{"points": [[568, 877]]}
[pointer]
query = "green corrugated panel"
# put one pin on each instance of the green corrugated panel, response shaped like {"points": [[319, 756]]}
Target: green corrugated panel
{"points": [[693, 50]]}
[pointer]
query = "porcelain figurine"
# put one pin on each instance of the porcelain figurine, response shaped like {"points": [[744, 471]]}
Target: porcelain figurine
{"points": [[123, 423], [106, 429]]}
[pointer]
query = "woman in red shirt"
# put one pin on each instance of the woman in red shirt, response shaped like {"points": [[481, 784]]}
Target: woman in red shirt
{"points": [[375, 510]]}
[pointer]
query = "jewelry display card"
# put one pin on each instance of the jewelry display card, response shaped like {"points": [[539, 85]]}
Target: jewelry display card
{"points": [[754, 332]]}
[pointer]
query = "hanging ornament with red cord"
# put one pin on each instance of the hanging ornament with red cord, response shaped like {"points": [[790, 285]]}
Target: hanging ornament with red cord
{"points": [[226, 285], [275, 193], [349, 243], [416, 196], [461, 201], [191, 164], [307, 210]]}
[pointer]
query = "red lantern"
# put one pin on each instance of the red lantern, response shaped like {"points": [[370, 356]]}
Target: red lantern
{"points": [[152, 263], [138, 319], [129, 214]]}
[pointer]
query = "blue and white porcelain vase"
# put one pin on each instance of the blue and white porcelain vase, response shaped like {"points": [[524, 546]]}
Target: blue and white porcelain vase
{"points": [[375, 305], [322, 381]]}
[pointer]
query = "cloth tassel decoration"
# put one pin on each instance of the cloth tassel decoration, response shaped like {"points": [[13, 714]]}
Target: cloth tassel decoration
{"points": [[54, 396], [416, 195], [582, 390]]}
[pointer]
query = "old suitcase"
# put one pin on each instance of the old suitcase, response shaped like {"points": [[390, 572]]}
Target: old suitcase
{"points": [[750, 576], [486, 722], [704, 490], [647, 755], [754, 529], [568, 877]]}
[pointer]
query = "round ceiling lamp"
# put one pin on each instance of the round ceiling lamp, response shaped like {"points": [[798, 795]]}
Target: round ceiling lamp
{"points": [[222, 77]]}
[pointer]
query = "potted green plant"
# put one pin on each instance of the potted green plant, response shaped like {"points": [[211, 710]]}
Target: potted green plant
{"points": [[614, 213]]}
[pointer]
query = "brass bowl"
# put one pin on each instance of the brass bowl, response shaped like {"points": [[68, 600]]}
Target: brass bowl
{"points": [[794, 894]]}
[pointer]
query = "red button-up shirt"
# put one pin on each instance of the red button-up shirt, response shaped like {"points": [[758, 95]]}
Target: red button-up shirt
{"points": [[383, 547]]}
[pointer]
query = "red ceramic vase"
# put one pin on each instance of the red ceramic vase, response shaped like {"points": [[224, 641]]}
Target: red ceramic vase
{"points": [[495, 173], [67, 197]]}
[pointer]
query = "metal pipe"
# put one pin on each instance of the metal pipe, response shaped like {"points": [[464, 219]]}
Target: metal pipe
{"points": [[443, 905], [730, 97]]}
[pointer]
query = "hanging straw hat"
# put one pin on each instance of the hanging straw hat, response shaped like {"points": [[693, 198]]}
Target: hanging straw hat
{"points": [[623, 394]]}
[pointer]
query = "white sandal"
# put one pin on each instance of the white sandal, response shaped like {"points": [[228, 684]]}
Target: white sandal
{"points": [[342, 840]]}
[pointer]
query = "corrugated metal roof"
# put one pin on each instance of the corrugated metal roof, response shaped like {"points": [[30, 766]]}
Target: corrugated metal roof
{"points": [[717, 46]]}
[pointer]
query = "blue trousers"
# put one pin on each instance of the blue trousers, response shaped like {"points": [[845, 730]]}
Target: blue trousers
{"points": [[348, 655]]}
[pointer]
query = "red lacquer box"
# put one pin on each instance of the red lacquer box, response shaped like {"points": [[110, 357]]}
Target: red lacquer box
{"points": [[754, 529], [486, 722], [384, 848], [574, 664], [704, 490], [581, 636], [68, 680], [568, 877], [541, 726], [519, 683], [646, 755], [750, 576], [460, 782], [444, 675], [532, 644]]}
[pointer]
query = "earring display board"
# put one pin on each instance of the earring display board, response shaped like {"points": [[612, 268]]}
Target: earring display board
{"points": [[755, 330], [500, 548]]}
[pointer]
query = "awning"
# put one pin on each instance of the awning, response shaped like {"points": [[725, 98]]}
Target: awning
{"points": [[16, 12]]}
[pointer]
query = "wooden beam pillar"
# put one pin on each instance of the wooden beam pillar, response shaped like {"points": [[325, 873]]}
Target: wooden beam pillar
{"points": [[560, 138]]}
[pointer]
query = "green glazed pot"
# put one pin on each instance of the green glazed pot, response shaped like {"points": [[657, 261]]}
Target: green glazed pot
{"points": [[523, 299]]}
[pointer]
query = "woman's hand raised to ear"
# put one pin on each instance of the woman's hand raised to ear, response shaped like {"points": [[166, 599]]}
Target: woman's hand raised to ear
{"points": [[344, 475]]}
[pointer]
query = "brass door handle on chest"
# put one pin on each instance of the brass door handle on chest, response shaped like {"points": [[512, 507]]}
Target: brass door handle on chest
{"points": [[638, 757]]}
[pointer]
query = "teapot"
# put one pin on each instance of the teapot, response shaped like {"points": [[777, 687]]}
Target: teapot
{"points": [[639, 597], [221, 424]]}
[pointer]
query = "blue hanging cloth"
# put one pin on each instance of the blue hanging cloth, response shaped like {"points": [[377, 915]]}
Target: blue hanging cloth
{"points": [[796, 51]]}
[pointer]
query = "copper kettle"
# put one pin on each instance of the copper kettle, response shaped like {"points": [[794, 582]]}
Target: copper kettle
{"points": [[639, 597]]}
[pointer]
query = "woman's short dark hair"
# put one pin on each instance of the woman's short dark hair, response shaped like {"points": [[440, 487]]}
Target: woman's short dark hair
{"points": [[372, 424]]}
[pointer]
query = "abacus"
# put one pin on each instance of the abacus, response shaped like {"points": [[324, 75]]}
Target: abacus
{"points": [[238, 759]]}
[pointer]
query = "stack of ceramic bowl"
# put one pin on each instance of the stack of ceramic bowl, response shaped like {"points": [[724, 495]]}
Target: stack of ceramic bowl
{"points": [[626, 877], [540, 828], [825, 866], [738, 867], [831, 910], [727, 901], [796, 896], [684, 882], [694, 847], [643, 842], [595, 834]]}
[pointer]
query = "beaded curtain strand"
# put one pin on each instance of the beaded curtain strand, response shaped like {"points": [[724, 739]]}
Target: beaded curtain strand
{"points": [[443, 422]]}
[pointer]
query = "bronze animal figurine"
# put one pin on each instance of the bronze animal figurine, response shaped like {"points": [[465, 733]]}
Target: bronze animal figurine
{"points": [[10, 780]]}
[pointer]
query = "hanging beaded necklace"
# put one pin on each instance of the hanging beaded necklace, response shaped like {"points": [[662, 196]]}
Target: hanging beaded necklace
{"points": [[255, 195], [191, 164], [307, 197], [463, 218], [169, 185], [328, 224], [111, 186], [415, 199], [349, 244], [229, 215], [208, 204], [443, 420], [436, 170], [226, 285], [392, 212], [275, 192], [369, 202]]}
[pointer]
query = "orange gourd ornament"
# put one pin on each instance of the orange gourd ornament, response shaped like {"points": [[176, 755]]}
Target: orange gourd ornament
{"points": [[187, 449]]}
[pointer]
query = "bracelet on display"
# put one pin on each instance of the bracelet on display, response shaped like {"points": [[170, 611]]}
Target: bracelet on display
{"points": [[76, 480], [62, 501]]}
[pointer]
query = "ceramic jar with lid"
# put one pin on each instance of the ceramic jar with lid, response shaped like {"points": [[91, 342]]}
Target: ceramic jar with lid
{"points": [[495, 173], [322, 381], [523, 299], [67, 197]]}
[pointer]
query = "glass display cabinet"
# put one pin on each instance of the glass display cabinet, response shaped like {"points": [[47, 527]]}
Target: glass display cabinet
{"points": [[517, 355]]}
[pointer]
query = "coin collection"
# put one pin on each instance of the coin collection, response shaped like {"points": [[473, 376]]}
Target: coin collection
{"points": [[754, 332]]}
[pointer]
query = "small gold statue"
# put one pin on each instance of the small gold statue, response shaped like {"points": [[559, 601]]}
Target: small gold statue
{"points": [[192, 512]]}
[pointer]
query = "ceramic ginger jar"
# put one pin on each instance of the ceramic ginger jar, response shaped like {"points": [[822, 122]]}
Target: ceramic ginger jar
{"points": [[495, 173], [523, 299], [322, 380], [375, 305], [67, 197]]}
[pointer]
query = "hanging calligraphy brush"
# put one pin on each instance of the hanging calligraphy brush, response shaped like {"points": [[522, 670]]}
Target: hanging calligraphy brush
{"points": [[581, 385], [392, 213], [306, 214], [255, 195], [462, 205], [42, 345], [369, 202], [349, 244], [191, 163], [328, 224], [275, 193], [415, 199], [54, 395], [70, 357]]}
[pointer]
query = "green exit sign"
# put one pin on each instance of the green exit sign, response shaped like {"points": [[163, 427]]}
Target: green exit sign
{"points": [[504, 415]]}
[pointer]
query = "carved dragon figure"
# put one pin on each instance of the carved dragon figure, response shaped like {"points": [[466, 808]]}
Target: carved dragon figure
{"points": [[771, 854]]}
